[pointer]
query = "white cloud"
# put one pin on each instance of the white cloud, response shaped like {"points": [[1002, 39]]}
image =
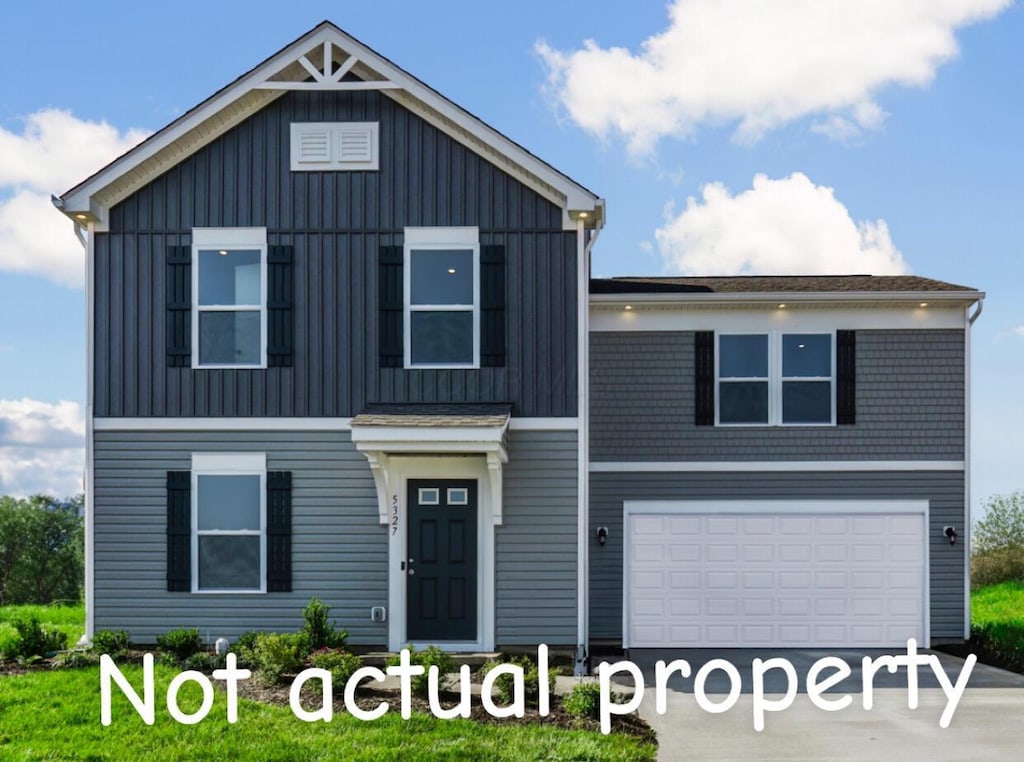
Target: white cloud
{"points": [[760, 63], [53, 151], [41, 448], [1019, 330], [779, 227]]}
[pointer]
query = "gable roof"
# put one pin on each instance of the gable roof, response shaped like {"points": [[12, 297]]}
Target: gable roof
{"points": [[887, 288], [325, 54]]}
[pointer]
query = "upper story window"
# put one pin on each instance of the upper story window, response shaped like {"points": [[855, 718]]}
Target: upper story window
{"points": [[776, 379], [335, 146], [442, 298], [229, 522], [229, 321]]}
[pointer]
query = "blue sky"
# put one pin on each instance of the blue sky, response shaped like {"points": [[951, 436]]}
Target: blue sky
{"points": [[919, 128]]}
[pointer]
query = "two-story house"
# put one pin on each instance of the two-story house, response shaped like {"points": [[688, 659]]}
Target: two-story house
{"points": [[339, 334]]}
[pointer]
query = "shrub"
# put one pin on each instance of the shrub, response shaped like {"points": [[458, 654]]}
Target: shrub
{"points": [[584, 700], [319, 630], [341, 664], [34, 640], [111, 642], [994, 566], [205, 661], [245, 648], [275, 654], [431, 656], [76, 659], [504, 684], [180, 643], [1003, 525]]}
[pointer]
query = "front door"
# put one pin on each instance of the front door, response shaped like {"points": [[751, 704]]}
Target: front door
{"points": [[440, 564]]}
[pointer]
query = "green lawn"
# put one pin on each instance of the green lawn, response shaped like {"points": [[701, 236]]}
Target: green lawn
{"points": [[56, 715], [997, 623], [70, 619]]}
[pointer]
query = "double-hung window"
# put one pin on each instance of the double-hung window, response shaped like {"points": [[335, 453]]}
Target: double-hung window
{"points": [[229, 320], [229, 524], [776, 378], [442, 297]]}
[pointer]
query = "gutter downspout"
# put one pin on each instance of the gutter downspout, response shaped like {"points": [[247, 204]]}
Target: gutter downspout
{"points": [[967, 464], [584, 245]]}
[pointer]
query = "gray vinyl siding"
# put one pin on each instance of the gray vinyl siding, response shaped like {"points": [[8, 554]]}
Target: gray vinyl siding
{"points": [[910, 403], [944, 491], [535, 548], [337, 222], [339, 549]]}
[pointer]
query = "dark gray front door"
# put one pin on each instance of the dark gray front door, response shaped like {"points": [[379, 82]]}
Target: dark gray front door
{"points": [[441, 560]]}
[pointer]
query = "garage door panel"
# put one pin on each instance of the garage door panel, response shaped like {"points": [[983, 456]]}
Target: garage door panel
{"points": [[783, 579]]}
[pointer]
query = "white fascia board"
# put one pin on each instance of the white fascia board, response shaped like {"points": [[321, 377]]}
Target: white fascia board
{"points": [[435, 435], [772, 466], [222, 424], [788, 297], [794, 318], [577, 198], [631, 507]]}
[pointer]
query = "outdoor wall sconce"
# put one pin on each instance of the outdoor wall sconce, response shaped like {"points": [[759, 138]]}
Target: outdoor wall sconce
{"points": [[950, 533], [602, 536]]}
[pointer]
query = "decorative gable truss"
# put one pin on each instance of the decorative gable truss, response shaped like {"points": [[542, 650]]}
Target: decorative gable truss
{"points": [[327, 65]]}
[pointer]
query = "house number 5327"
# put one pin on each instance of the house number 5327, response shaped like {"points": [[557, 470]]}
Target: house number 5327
{"points": [[394, 514]]}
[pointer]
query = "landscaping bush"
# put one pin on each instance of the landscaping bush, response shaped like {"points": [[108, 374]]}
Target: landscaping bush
{"points": [[276, 654], [180, 643], [319, 630], [75, 659], [340, 663], [584, 700], [504, 685], [245, 648], [205, 662], [111, 642], [431, 656], [994, 566], [34, 640]]}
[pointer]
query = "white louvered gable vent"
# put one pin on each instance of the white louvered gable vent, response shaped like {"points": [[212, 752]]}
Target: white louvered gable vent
{"points": [[334, 146]]}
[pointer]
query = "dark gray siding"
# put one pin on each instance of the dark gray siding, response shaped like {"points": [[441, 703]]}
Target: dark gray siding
{"points": [[339, 548], [910, 403], [535, 549], [944, 491], [336, 221]]}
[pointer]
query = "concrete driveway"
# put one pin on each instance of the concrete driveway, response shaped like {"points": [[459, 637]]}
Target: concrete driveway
{"points": [[988, 723]]}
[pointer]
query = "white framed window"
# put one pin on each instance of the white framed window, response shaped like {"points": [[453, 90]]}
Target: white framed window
{"points": [[335, 146], [229, 287], [442, 297], [229, 522], [775, 379]]}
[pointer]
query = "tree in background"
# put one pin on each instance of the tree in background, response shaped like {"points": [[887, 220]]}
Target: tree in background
{"points": [[997, 547], [41, 549]]}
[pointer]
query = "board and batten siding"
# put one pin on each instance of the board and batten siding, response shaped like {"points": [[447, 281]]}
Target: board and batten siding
{"points": [[943, 489], [535, 548], [336, 222], [910, 403], [339, 549]]}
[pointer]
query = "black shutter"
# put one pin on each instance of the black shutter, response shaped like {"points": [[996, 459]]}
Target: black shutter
{"points": [[280, 296], [179, 531], [704, 378], [391, 298], [492, 306], [279, 531], [179, 306], [846, 377]]}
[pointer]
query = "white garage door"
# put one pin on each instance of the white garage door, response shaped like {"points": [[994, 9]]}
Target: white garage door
{"points": [[753, 574]]}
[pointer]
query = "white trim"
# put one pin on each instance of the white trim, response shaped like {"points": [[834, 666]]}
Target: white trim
{"points": [[439, 239], [544, 424], [90, 433], [740, 317], [401, 469], [825, 298], [228, 464], [966, 531], [222, 424], [229, 239], [777, 507], [788, 466]]}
